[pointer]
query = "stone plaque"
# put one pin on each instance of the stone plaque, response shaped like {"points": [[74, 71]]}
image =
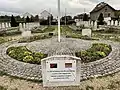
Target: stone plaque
{"points": [[61, 71], [86, 32]]}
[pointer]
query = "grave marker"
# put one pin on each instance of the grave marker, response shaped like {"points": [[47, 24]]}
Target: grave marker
{"points": [[61, 71], [86, 32]]}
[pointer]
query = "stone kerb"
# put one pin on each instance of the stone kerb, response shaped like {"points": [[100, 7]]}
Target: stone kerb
{"points": [[66, 70]]}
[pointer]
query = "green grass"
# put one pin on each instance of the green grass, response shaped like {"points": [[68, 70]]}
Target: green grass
{"points": [[111, 34], [112, 37], [34, 38], [2, 40]]}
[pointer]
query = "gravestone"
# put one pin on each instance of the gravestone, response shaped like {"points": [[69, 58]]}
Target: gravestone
{"points": [[78, 23], [9, 24], [116, 23], [112, 22], [26, 34], [0, 25], [61, 70], [6, 24], [86, 32], [92, 23], [95, 24], [108, 23], [21, 27], [3, 26], [24, 25], [86, 23]]}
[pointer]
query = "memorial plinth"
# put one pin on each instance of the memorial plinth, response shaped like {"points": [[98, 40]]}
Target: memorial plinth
{"points": [[61, 70]]}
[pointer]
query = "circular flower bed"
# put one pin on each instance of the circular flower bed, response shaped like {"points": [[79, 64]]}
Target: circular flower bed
{"points": [[21, 53], [96, 52]]}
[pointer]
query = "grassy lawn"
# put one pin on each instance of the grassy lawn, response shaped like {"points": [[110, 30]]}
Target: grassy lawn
{"points": [[107, 36], [112, 35]]}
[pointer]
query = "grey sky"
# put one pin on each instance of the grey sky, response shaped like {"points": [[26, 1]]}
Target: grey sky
{"points": [[37, 6]]}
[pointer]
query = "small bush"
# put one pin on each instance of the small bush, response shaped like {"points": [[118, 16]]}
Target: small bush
{"points": [[96, 52], [2, 40], [23, 54]]}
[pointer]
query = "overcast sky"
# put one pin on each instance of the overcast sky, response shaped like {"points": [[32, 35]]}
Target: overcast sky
{"points": [[37, 6]]}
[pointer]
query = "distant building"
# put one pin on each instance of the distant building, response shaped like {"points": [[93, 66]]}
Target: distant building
{"points": [[45, 14], [80, 16], [25, 15], [103, 8]]}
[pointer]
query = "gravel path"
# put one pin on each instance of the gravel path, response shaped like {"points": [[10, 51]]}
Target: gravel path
{"points": [[68, 46]]}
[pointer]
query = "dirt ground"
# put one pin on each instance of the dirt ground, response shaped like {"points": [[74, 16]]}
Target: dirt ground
{"points": [[111, 82]]}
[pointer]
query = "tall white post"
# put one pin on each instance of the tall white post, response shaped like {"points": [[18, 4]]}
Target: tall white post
{"points": [[58, 20], [65, 17]]}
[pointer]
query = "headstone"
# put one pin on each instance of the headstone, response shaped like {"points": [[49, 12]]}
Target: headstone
{"points": [[95, 25], [6, 24], [61, 70], [24, 25], [108, 23], [0, 25], [20, 27], [89, 22], [9, 25], [116, 23], [26, 34], [119, 23], [112, 22], [86, 32], [78, 23], [3, 25], [86, 23], [92, 23]]}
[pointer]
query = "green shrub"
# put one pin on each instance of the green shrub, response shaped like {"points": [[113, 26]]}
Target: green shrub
{"points": [[23, 54], [28, 59], [27, 53], [96, 52], [2, 40]]}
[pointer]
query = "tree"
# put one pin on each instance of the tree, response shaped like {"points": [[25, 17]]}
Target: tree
{"points": [[101, 19], [27, 19], [85, 17], [75, 17], [36, 18], [32, 19], [18, 18], [67, 18], [13, 21]]}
